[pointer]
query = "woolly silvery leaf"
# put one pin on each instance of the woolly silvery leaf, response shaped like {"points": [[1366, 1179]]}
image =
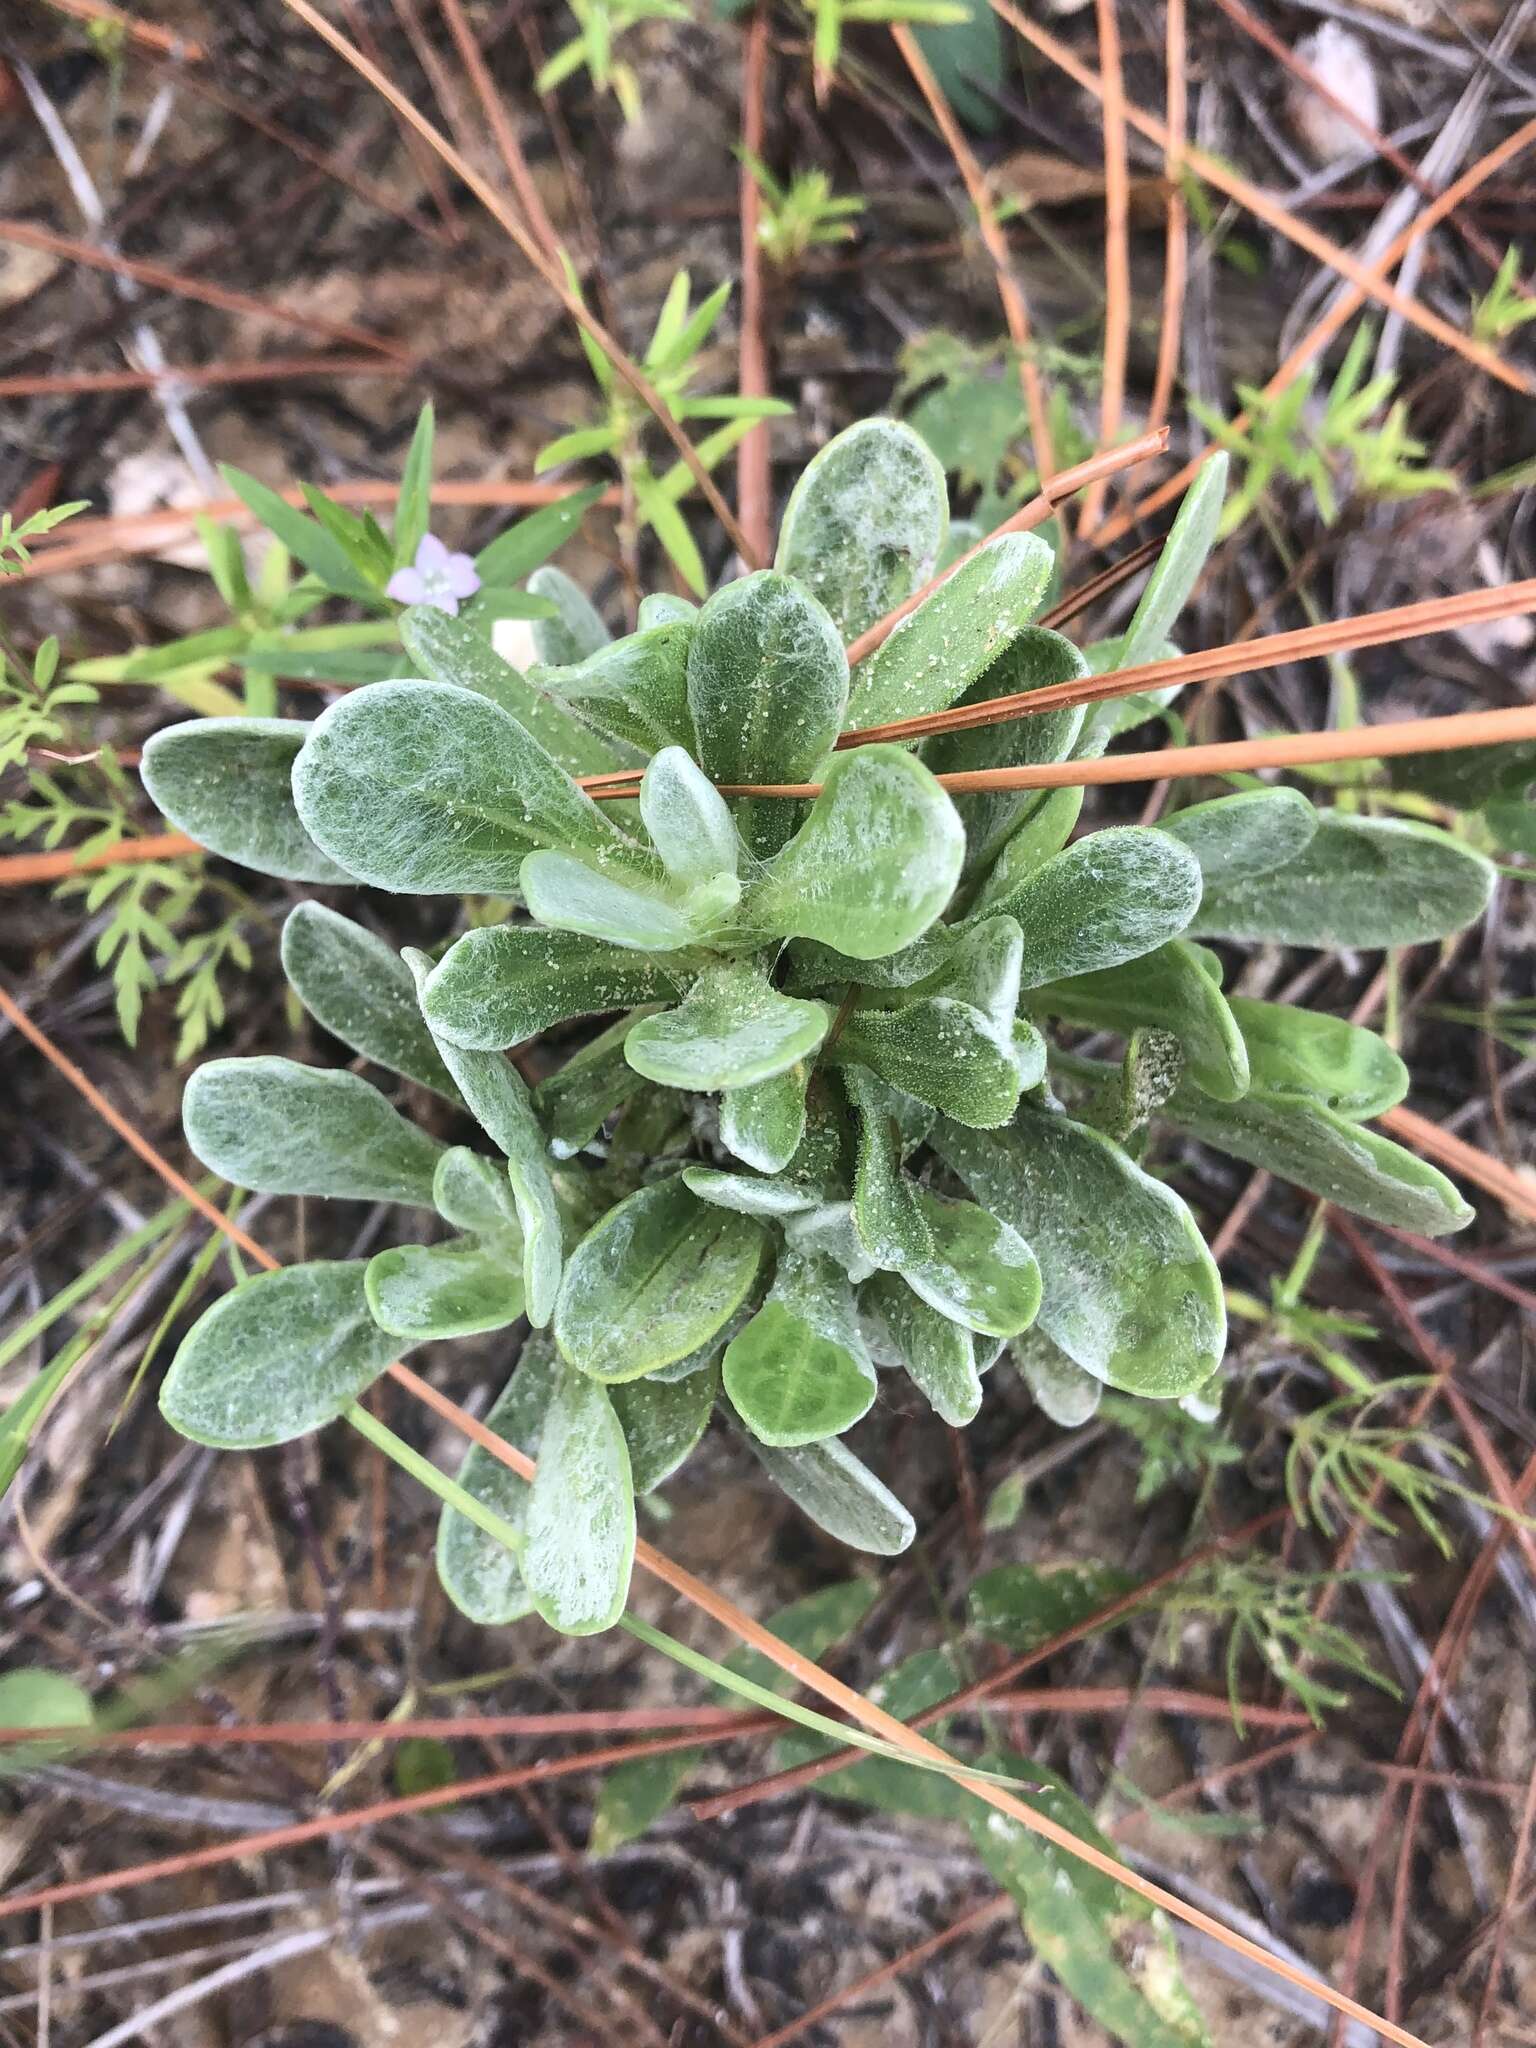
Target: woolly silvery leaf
{"points": [[499, 1103], [764, 1124], [828, 1232], [275, 1127], [574, 1103], [1234, 837], [1036, 659], [450, 650], [1360, 882], [1173, 989], [1067, 1394], [664, 608], [504, 983], [732, 1030], [654, 1280], [767, 686], [751, 1195], [886, 1215], [799, 1370], [937, 652], [950, 1041], [284, 1354], [1328, 1155], [470, 1192], [873, 864], [480, 1575], [1041, 832], [576, 630], [457, 1289], [579, 1524], [1178, 567], [1130, 1292], [865, 523], [662, 1422], [813, 966], [228, 784], [1302, 1052], [427, 788], [1110, 897], [360, 989], [978, 1272], [936, 1353], [839, 1494], [689, 822], [633, 690], [567, 894]]}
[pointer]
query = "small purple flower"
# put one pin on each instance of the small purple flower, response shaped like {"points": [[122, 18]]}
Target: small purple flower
{"points": [[436, 577]]}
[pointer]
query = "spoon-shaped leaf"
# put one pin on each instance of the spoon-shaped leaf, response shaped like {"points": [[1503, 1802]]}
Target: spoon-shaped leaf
{"points": [[357, 986], [690, 823], [1303, 1052], [1234, 837], [579, 1523], [1110, 897], [654, 1280], [426, 788], [767, 686], [284, 1354], [937, 652], [504, 983], [937, 1355], [1172, 989], [764, 1124], [874, 863], [1360, 882], [839, 1494], [662, 1422], [275, 1127], [1067, 1394], [799, 1371], [1131, 1293], [569, 895], [458, 1289], [481, 1576], [470, 1193], [228, 783], [732, 1030], [978, 1272], [632, 690], [576, 630], [864, 524]]}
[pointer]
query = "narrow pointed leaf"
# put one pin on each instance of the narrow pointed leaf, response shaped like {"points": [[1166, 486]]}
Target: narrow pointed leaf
{"points": [[1178, 567]]}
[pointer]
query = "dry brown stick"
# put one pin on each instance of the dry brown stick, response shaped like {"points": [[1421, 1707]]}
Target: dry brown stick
{"points": [[28, 235], [1176, 241], [1015, 310], [528, 197], [271, 370], [1339, 315], [19, 869], [1364, 277], [623, 364], [873, 1718], [1421, 1135], [1117, 249], [754, 461]]}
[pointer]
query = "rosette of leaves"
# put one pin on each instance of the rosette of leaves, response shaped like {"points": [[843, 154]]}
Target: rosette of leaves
{"points": [[818, 1131]]}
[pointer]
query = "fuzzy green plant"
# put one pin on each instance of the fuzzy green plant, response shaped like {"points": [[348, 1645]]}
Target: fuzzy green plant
{"points": [[832, 1121]]}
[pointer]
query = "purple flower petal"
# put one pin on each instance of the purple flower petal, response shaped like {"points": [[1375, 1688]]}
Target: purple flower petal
{"points": [[431, 554], [407, 586], [459, 575]]}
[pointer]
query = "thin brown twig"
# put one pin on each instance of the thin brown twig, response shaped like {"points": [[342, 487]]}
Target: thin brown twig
{"points": [[540, 226], [1493, 1175], [28, 235], [549, 271], [1009, 291], [272, 370], [1117, 248], [1176, 234], [1221, 175]]}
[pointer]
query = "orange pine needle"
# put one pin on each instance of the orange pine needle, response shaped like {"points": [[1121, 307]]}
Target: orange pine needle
{"points": [[1176, 249], [1117, 249]]}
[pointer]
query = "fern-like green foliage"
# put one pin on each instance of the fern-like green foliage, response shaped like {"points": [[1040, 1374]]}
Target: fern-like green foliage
{"points": [[827, 1120]]}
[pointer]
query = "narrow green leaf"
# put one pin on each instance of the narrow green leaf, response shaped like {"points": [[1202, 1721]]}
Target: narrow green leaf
{"points": [[1172, 581], [305, 541], [275, 1127], [413, 508], [515, 554]]}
